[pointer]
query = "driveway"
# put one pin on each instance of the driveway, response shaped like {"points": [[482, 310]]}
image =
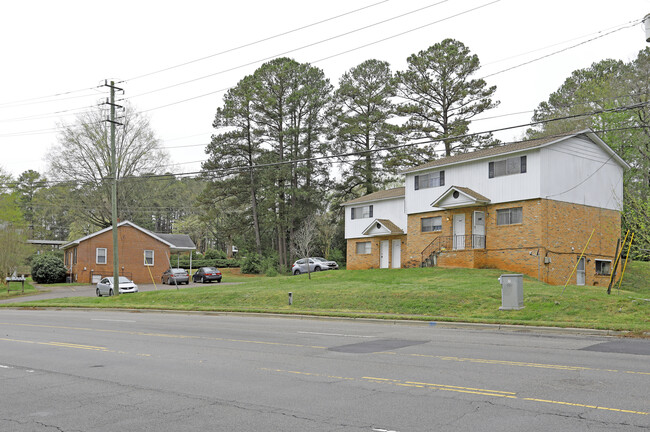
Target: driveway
{"points": [[88, 291]]}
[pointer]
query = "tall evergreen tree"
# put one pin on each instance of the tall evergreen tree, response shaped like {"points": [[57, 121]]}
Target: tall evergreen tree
{"points": [[363, 108], [440, 99]]}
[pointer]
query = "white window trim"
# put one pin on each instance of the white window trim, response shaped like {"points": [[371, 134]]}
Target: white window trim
{"points": [[432, 225], [510, 216], [97, 255], [152, 257], [364, 253], [603, 260]]}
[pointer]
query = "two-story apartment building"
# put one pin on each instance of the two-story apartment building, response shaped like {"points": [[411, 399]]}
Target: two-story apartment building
{"points": [[528, 207]]}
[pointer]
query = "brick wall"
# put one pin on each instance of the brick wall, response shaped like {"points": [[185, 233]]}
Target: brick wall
{"points": [[131, 243], [550, 229], [371, 261]]}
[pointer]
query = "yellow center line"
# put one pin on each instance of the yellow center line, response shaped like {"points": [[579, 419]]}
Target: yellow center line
{"points": [[438, 357], [70, 345], [457, 389]]}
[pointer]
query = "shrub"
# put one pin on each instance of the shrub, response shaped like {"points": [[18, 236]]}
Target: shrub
{"points": [[252, 264], [215, 254], [48, 268]]}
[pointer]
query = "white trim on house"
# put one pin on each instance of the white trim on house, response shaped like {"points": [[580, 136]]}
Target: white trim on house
{"points": [[97, 255], [131, 224]]}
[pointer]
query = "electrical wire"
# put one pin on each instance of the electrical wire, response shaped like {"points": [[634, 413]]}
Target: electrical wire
{"points": [[289, 51], [257, 41]]}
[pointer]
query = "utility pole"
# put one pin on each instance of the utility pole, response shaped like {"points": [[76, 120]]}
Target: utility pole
{"points": [[113, 122]]}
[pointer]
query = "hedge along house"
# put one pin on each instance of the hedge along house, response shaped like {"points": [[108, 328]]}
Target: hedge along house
{"points": [[527, 207], [143, 255]]}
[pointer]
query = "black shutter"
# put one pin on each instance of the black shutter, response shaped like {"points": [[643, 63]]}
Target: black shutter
{"points": [[370, 211], [442, 178], [417, 182], [352, 213], [491, 170], [523, 164]]}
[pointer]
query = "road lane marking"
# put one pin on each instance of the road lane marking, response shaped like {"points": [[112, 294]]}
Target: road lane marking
{"points": [[458, 389], [70, 345], [335, 334], [438, 357]]}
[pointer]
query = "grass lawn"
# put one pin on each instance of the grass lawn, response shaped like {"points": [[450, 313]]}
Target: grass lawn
{"points": [[15, 289], [432, 294]]}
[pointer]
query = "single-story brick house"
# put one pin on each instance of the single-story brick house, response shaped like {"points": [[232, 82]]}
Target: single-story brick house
{"points": [[527, 207], [143, 255]]}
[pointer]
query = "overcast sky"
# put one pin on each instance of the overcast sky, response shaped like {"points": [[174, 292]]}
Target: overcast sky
{"points": [[55, 54]]}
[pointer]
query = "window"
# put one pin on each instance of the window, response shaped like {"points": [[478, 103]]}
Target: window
{"points": [[514, 165], [430, 180], [431, 224], [67, 259], [603, 267], [100, 256], [148, 257], [363, 248], [74, 256], [510, 216], [361, 212]]}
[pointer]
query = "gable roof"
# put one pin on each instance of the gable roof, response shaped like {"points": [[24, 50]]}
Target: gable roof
{"points": [[515, 148], [378, 196], [176, 242], [474, 198], [382, 227]]}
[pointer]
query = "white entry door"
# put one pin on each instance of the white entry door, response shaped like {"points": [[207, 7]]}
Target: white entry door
{"points": [[580, 272], [396, 261], [478, 230], [384, 250], [459, 231]]}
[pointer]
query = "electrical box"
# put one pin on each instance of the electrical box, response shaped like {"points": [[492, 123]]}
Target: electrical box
{"points": [[512, 291], [547, 260]]}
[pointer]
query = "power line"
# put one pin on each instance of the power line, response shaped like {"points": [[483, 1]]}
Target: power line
{"points": [[31, 100], [291, 50], [319, 60], [559, 51], [258, 41]]}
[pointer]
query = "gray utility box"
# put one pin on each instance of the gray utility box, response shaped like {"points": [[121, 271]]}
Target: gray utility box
{"points": [[512, 291]]}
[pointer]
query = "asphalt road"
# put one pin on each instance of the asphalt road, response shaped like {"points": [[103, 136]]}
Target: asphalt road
{"points": [[63, 370]]}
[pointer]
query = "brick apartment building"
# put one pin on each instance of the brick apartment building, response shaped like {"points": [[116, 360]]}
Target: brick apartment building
{"points": [[528, 207], [143, 255]]}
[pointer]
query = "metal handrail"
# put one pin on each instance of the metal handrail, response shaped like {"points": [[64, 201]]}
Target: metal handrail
{"points": [[455, 242]]}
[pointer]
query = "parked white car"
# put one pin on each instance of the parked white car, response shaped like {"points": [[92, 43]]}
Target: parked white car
{"points": [[105, 286], [315, 264]]}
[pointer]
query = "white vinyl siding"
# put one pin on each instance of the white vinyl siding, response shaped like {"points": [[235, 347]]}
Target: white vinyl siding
{"points": [[100, 256]]}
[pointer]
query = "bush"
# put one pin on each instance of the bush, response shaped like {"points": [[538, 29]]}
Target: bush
{"points": [[215, 254], [252, 264], [48, 268]]}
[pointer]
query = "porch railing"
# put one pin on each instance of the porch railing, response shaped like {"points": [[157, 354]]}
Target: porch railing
{"points": [[454, 242]]}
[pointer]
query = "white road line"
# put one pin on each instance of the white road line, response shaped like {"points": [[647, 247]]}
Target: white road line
{"points": [[335, 334], [5, 367]]}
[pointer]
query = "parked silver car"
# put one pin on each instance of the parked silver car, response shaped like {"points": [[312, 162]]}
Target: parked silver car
{"points": [[315, 264], [175, 276], [105, 286]]}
